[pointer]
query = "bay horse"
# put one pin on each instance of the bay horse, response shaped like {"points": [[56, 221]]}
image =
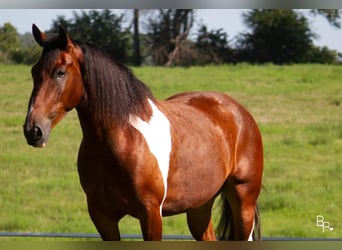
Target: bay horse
{"points": [[144, 157]]}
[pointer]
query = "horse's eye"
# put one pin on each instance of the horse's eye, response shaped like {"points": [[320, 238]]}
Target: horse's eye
{"points": [[59, 73]]}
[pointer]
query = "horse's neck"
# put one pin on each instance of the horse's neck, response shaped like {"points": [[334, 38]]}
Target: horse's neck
{"points": [[95, 130]]}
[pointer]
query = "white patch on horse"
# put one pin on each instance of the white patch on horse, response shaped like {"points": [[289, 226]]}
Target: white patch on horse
{"points": [[157, 134], [250, 238]]}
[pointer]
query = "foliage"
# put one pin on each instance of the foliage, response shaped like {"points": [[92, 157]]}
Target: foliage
{"points": [[332, 15], [29, 51], [278, 36], [102, 28], [9, 41], [213, 46], [322, 55], [17, 48], [167, 31]]}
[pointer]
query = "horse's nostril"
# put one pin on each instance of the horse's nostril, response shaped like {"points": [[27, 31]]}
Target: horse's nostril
{"points": [[37, 133], [35, 136]]}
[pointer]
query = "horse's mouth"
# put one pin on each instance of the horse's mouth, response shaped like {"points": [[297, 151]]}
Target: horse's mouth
{"points": [[42, 145]]}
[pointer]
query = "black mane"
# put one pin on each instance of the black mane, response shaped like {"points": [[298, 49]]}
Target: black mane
{"points": [[111, 90]]}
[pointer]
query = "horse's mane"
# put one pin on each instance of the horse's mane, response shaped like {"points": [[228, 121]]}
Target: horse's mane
{"points": [[111, 89]]}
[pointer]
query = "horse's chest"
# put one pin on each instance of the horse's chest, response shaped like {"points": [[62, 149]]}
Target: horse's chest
{"points": [[102, 180]]}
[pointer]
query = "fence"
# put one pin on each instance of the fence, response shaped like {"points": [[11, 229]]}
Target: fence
{"points": [[86, 236], [139, 237]]}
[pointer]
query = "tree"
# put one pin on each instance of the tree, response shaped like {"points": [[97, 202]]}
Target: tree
{"points": [[278, 36], [332, 15], [29, 51], [136, 39], [323, 55], [213, 46], [167, 33], [102, 28], [9, 41]]}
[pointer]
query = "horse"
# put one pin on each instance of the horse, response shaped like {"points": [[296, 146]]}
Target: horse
{"points": [[144, 157]]}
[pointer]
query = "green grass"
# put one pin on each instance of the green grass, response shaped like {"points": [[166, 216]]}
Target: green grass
{"points": [[298, 109]]}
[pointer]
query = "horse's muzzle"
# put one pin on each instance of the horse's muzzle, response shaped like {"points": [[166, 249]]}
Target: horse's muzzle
{"points": [[35, 136]]}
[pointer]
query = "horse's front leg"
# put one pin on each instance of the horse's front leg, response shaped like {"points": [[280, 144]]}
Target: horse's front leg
{"points": [[151, 224], [107, 227]]}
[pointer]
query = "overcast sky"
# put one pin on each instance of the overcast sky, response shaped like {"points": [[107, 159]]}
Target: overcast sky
{"points": [[228, 19]]}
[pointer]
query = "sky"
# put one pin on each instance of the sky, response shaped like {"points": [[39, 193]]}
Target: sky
{"points": [[230, 20]]}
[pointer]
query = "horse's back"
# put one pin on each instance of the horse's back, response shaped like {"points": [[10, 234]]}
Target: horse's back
{"points": [[222, 110]]}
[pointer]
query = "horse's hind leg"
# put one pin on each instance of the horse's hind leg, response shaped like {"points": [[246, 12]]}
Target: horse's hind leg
{"points": [[200, 223], [244, 183], [243, 203]]}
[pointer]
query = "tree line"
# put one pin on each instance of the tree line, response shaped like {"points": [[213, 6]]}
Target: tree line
{"points": [[168, 37]]}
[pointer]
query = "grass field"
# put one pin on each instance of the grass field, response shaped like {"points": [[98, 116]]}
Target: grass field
{"points": [[298, 109]]}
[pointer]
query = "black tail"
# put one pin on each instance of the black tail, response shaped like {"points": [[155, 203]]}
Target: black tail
{"points": [[225, 227], [257, 224]]}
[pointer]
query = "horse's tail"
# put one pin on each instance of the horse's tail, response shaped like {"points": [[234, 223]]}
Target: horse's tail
{"points": [[225, 229], [257, 224]]}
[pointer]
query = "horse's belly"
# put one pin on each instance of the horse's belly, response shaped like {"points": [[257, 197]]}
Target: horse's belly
{"points": [[202, 156], [199, 167]]}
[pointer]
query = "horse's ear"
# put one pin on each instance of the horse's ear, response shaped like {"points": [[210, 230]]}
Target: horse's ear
{"points": [[39, 36], [61, 41], [62, 38]]}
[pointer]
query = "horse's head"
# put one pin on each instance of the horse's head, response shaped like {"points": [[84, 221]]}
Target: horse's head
{"points": [[57, 85]]}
